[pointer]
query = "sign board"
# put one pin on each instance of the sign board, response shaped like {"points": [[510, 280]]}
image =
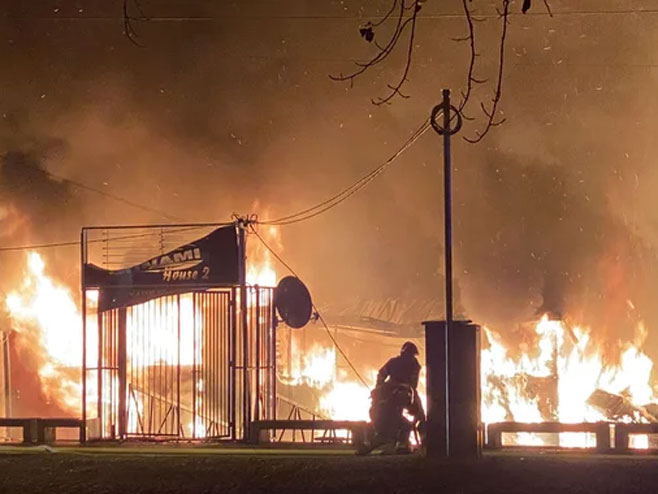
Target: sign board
{"points": [[211, 261]]}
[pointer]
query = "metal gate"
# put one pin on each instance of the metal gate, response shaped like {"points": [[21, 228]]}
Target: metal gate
{"points": [[213, 372], [194, 365]]}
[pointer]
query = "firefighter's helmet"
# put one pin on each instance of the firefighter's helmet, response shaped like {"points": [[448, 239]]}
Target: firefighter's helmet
{"points": [[409, 348]]}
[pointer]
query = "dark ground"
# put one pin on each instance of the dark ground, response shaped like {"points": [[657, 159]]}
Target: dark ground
{"points": [[177, 470]]}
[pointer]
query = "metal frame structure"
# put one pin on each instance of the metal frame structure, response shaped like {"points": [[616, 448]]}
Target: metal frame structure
{"points": [[200, 364]]}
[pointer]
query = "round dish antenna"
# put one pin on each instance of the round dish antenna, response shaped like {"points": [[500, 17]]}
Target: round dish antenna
{"points": [[293, 302]]}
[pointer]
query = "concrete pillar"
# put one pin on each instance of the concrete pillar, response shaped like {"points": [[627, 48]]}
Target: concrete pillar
{"points": [[453, 427]]}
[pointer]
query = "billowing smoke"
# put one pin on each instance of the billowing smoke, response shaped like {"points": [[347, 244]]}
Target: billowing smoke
{"points": [[33, 203], [544, 246]]}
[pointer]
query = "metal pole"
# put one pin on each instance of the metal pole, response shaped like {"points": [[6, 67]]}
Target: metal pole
{"points": [[83, 303], [122, 371], [233, 336], [257, 365], [244, 322], [273, 370], [447, 225], [449, 112], [178, 364], [7, 373], [447, 206], [99, 377], [194, 367]]}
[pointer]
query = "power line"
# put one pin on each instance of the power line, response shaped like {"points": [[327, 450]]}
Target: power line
{"points": [[345, 194], [326, 327], [303, 215], [90, 189], [588, 65], [109, 195], [99, 240], [38, 246]]}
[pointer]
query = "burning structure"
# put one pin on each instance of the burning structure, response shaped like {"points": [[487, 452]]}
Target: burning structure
{"points": [[177, 346], [550, 370], [559, 373], [167, 361]]}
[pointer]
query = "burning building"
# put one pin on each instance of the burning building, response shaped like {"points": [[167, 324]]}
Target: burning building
{"points": [[557, 372]]}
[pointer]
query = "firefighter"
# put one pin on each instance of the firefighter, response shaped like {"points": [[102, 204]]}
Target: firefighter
{"points": [[404, 370], [389, 426]]}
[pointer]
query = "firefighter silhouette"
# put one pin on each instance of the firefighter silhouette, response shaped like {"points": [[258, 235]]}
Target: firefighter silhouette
{"points": [[395, 393]]}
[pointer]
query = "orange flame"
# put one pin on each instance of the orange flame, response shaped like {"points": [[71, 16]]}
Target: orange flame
{"points": [[567, 361], [47, 319], [571, 362]]}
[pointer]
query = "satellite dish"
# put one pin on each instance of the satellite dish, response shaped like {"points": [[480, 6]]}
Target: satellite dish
{"points": [[293, 302]]}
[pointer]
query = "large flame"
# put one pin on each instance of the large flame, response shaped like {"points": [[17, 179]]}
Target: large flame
{"points": [[47, 320], [260, 263], [550, 376], [554, 379], [46, 317]]}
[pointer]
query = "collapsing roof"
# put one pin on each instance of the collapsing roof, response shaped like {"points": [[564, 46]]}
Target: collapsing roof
{"points": [[395, 317]]}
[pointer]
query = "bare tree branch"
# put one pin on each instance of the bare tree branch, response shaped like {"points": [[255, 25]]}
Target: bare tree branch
{"points": [[389, 14], [403, 21], [548, 8], [491, 113], [383, 53], [128, 20], [528, 3], [395, 90], [470, 78]]}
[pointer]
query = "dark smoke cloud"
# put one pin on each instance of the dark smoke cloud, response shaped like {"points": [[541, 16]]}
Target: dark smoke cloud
{"points": [[33, 204], [543, 246], [26, 184]]}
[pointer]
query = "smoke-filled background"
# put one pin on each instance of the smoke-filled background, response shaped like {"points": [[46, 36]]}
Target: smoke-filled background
{"points": [[229, 103]]}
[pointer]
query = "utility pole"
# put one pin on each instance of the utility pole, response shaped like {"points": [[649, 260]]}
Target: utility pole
{"points": [[449, 113]]}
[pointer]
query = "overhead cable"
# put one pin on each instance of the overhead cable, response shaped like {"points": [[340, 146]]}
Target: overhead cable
{"points": [[319, 315], [345, 194], [109, 195], [99, 240]]}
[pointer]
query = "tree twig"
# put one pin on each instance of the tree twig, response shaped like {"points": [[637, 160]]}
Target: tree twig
{"points": [[395, 90], [128, 20], [470, 78], [403, 21], [491, 113]]}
